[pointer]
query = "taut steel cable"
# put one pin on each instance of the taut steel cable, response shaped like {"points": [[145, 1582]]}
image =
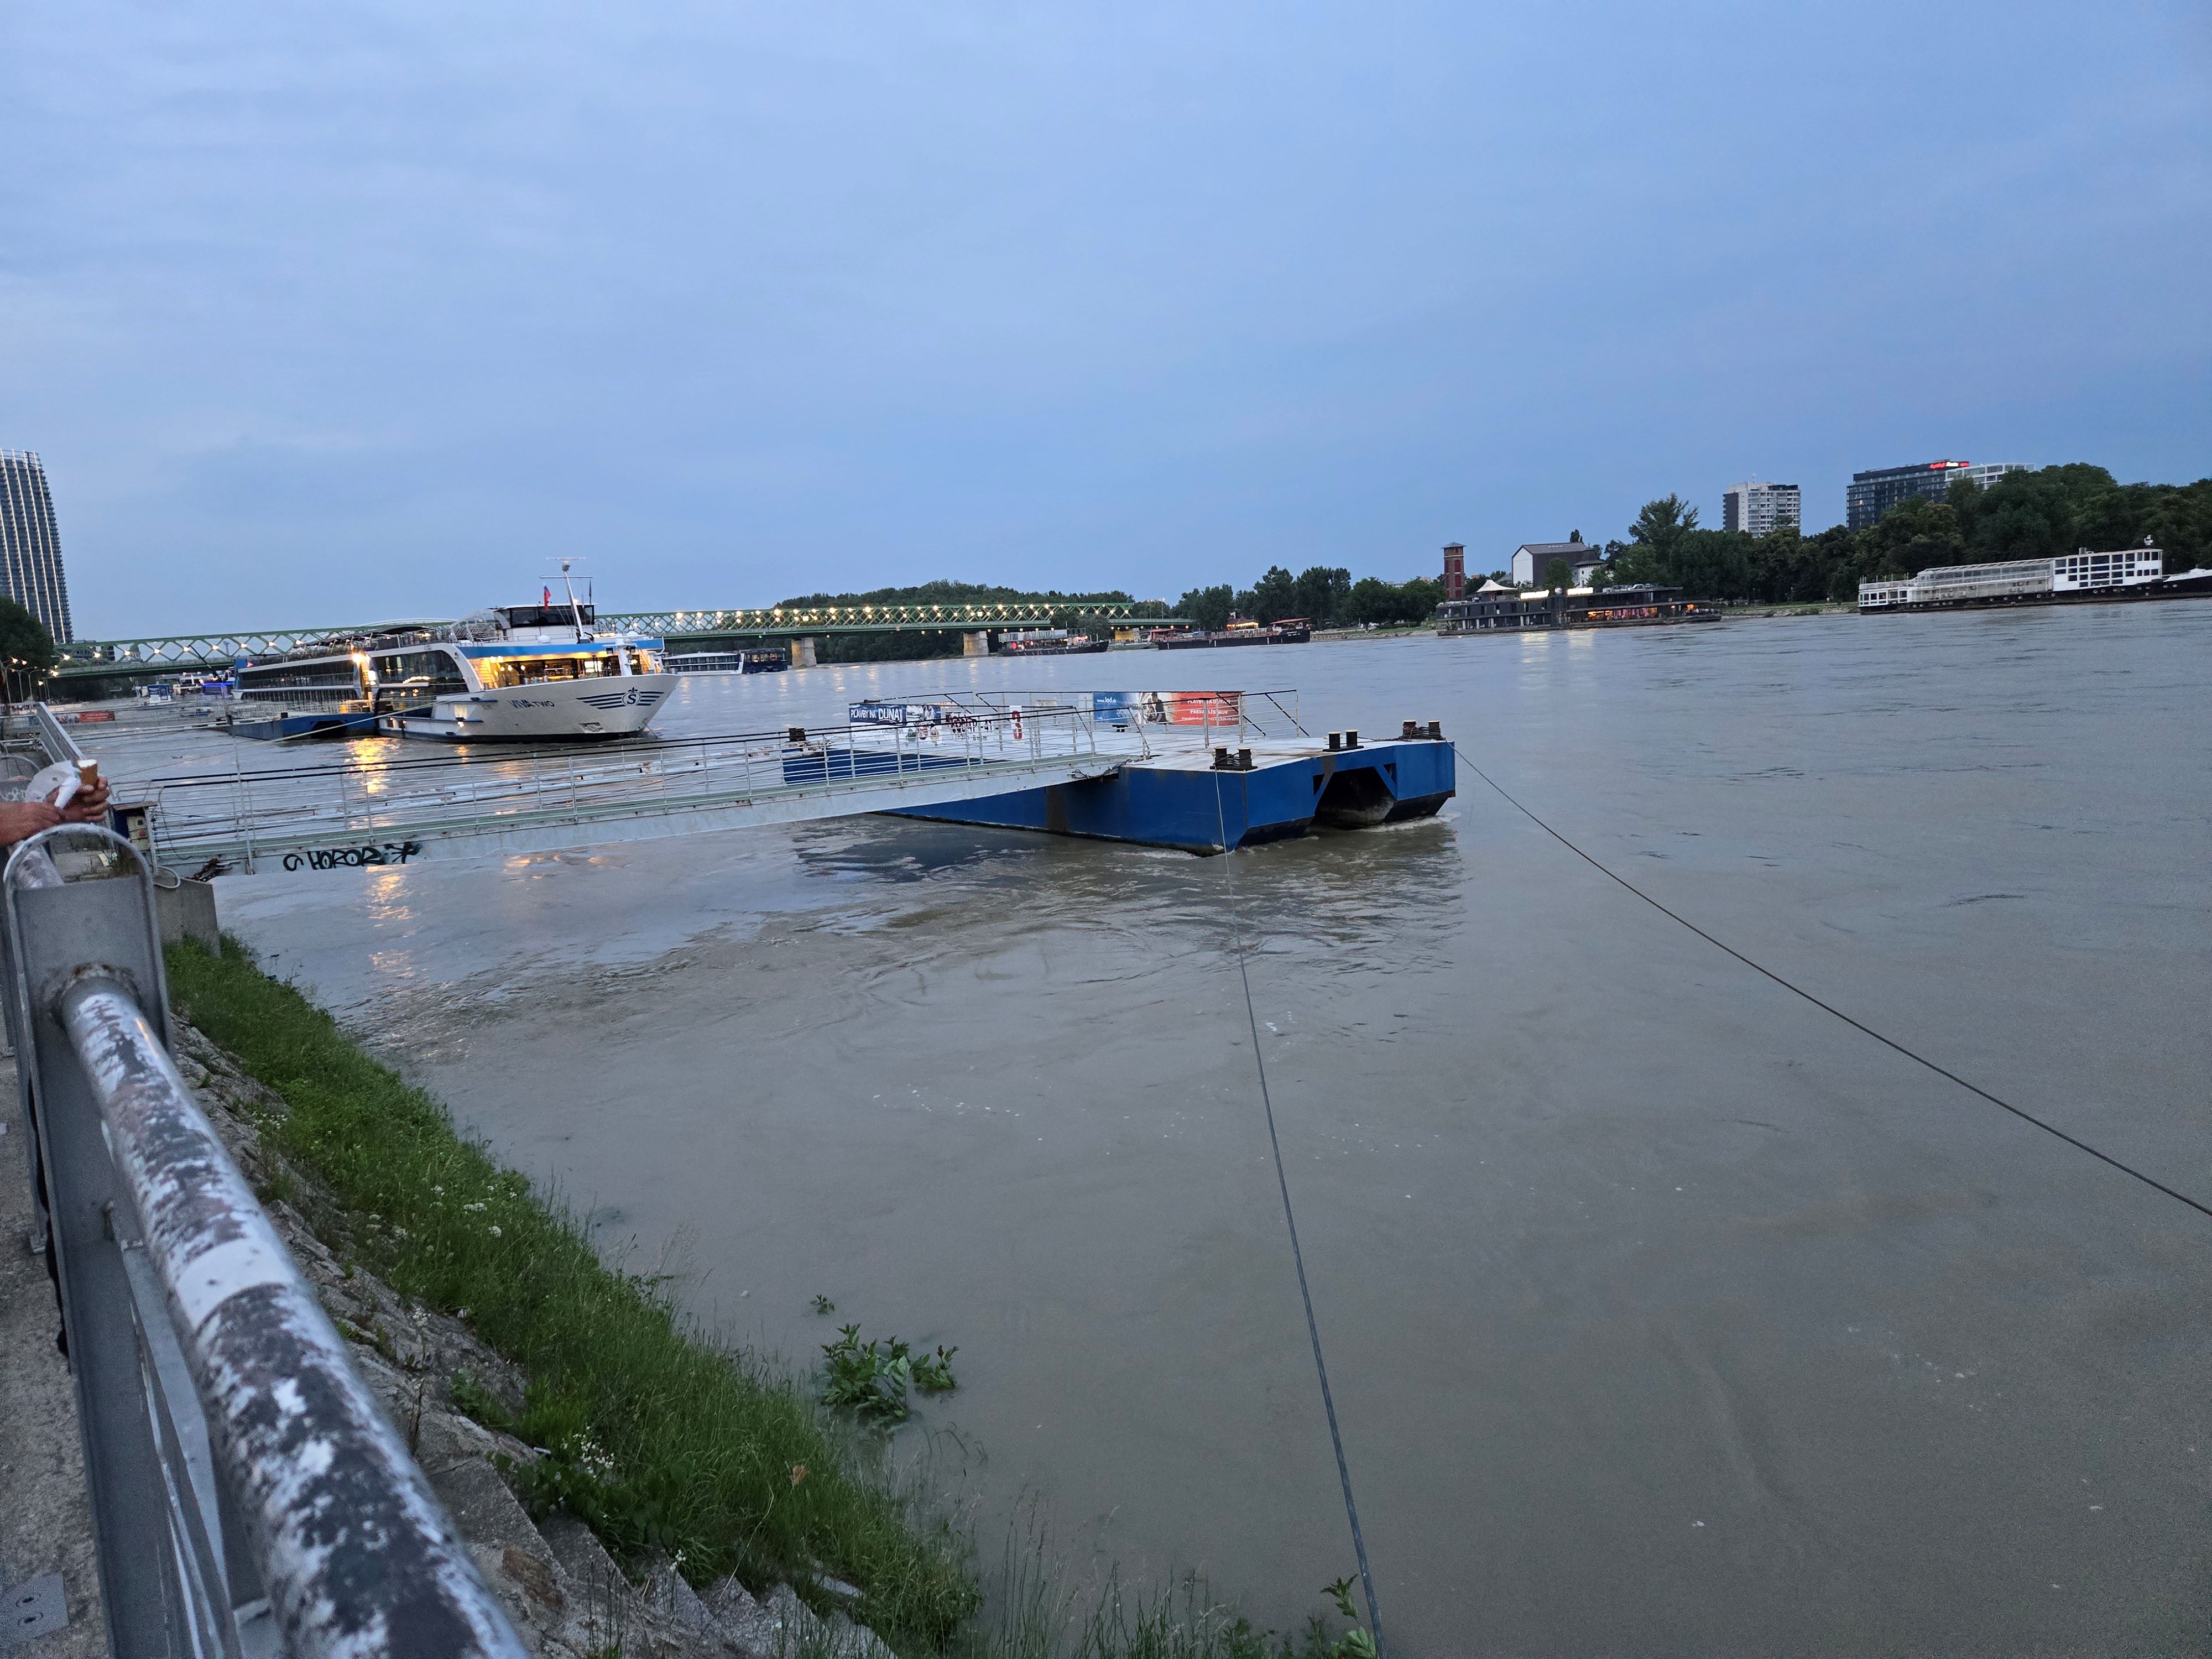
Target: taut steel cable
{"points": [[1291, 1221], [2024, 1116]]}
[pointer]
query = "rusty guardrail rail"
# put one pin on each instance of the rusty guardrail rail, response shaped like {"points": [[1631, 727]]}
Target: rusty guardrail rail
{"points": [[248, 1496]]}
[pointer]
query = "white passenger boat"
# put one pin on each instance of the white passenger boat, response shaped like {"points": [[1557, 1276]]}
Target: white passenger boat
{"points": [[518, 674], [514, 673]]}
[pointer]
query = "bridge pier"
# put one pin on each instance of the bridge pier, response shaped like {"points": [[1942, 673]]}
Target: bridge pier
{"points": [[976, 644], [802, 654]]}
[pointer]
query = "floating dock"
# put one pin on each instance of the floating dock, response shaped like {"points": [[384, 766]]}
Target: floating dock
{"points": [[1267, 791], [1205, 771]]}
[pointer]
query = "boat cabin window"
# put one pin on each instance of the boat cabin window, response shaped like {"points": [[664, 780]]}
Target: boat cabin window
{"points": [[330, 674], [501, 672], [546, 615], [433, 672]]}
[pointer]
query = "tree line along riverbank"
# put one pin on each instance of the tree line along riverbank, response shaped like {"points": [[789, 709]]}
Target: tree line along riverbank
{"points": [[2037, 513], [628, 1482]]}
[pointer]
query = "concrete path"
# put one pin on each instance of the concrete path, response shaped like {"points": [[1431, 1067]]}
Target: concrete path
{"points": [[45, 1522]]}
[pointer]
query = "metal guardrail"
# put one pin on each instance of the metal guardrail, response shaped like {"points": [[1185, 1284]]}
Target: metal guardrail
{"points": [[52, 736], [248, 1496], [159, 652]]}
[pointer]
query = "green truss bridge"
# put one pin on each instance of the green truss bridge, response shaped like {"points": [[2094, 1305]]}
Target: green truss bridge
{"points": [[112, 659]]}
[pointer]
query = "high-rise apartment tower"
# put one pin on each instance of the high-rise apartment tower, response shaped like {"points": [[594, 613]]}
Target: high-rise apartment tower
{"points": [[1870, 495], [1757, 509], [30, 550]]}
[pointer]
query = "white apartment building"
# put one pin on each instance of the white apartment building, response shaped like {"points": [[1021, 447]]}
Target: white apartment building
{"points": [[1758, 508]]}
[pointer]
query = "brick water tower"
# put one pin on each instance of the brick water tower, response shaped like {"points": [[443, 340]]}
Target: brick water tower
{"points": [[1454, 570]]}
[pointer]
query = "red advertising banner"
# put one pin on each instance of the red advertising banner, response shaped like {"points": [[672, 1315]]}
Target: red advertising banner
{"points": [[1201, 708]]}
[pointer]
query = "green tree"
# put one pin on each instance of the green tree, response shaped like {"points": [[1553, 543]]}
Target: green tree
{"points": [[1208, 607], [2053, 510], [1385, 605], [26, 651], [1373, 602], [951, 592], [1654, 540], [2034, 516], [1662, 524], [1324, 594], [1912, 536], [1274, 596], [2178, 519], [1417, 600]]}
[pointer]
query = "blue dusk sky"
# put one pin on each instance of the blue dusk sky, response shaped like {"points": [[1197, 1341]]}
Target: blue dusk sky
{"points": [[330, 313]]}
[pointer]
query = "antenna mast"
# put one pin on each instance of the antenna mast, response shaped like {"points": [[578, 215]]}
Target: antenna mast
{"points": [[575, 615]]}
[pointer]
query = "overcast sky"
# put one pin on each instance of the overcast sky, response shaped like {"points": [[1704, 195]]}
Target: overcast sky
{"points": [[331, 312]]}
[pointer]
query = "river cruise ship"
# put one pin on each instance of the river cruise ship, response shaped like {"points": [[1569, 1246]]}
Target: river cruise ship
{"points": [[2129, 573], [514, 674]]}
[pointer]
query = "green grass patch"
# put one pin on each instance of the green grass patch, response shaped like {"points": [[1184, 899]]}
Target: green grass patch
{"points": [[657, 1436]]}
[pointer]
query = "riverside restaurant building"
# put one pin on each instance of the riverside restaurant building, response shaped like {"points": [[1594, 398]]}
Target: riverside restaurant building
{"points": [[1496, 608]]}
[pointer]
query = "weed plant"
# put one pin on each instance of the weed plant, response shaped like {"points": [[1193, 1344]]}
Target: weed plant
{"points": [[1034, 1615], [871, 1379]]}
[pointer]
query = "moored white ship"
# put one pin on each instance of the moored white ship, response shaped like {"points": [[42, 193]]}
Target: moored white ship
{"points": [[2127, 573], [513, 673], [519, 673]]}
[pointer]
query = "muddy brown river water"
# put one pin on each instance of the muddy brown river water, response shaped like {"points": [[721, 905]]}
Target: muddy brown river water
{"points": [[1666, 1314]]}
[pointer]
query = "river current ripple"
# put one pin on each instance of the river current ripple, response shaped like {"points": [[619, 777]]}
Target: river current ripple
{"points": [[1665, 1314]]}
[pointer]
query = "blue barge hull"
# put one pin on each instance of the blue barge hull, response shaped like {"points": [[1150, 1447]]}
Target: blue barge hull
{"points": [[306, 725], [1183, 802]]}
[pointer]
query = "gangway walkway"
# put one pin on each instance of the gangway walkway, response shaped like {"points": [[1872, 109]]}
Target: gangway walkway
{"points": [[353, 814], [922, 752]]}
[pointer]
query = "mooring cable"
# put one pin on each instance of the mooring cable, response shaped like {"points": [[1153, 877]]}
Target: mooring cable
{"points": [[2024, 1116], [1291, 1221]]}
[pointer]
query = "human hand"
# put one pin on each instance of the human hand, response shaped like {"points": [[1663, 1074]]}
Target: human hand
{"points": [[20, 820], [87, 805]]}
